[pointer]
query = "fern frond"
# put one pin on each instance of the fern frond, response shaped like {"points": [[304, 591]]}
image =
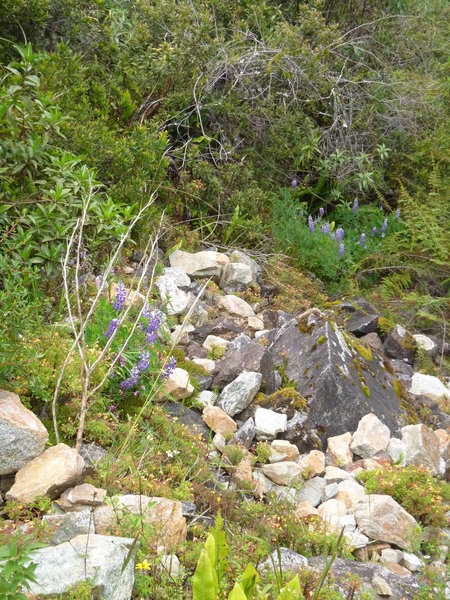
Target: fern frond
{"points": [[218, 531]]}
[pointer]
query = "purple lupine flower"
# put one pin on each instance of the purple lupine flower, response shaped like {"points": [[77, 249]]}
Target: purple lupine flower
{"points": [[397, 214], [321, 212], [355, 205], [144, 363], [121, 296], [169, 367], [132, 380], [384, 228], [341, 250], [112, 408], [294, 183], [98, 280], [311, 224], [374, 231], [339, 234], [326, 229], [147, 311], [151, 337], [122, 361], [113, 325], [362, 240]]}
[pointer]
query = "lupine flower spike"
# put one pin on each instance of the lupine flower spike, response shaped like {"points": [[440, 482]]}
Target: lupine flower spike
{"points": [[121, 296], [339, 234], [311, 224], [384, 228], [355, 205], [326, 229], [294, 183], [113, 325], [341, 250], [362, 240], [169, 367], [374, 231], [397, 214], [321, 212]]}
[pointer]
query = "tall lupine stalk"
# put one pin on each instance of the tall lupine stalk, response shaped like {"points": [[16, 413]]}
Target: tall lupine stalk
{"points": [[80, 321]]}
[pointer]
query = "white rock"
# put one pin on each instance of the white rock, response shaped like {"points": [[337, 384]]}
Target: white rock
{"points": [[178, 275], [219, 442], [22, 435], [381, 518], [391, 555], [177, 300], [206, 363], [255, 324], [236, 274], [371, 437], [214, 341], [96, 557], [177, 385], [283, 473], [381, 586], [49, 474], [411, 562], [181, 334], [331, 511], [170, 564], [269, 424], [199, 264], [238, 394], [422, 447], [236, 306], [239, 257], [350, 492], [338, 450], [281, 450], [335, 474], [397, 451], [425, 343], [206, 397], [427, 385]]}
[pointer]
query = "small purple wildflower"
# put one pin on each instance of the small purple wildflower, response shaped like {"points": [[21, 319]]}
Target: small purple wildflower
{"points": [[374, 231], [321, 212], [147, 311], [326, 229], [121, 296], [122, 361], [132, 380], [169, 367], [362, 240], [98, 280], [397, 214], [311, 224], [355, 205], [294, 183], [341, 250], [113, 325], [384, 228], [144, 363], [339, 234], [151, 337], [112, 408]]}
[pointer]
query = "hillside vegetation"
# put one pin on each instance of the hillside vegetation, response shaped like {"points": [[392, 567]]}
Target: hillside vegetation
{"points": [[313, 135]]}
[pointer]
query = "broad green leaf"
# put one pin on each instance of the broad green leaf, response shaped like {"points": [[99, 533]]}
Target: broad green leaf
{"points": [[248, 580], [237, 593], [292, 591], [205, 585]]}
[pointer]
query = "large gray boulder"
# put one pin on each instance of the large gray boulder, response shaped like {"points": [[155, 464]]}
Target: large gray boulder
{"points": [[199, 264], [22, 435], [96, 557], [238, 394], [251, 357], [236, 277], [330, 371]]}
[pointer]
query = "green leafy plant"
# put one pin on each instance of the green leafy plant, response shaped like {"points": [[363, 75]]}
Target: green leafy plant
{"points": [[17, 570]]}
